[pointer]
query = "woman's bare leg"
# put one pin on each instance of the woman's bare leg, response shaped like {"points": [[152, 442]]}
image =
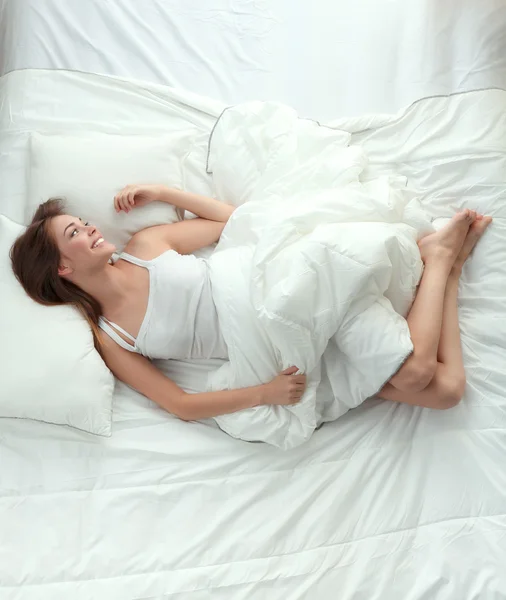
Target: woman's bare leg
{"points": [[447, 386], [439, 252], [449, 353]]}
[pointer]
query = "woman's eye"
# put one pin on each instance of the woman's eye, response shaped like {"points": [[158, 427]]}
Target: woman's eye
{"points": [[87, 223], [73, 233]]}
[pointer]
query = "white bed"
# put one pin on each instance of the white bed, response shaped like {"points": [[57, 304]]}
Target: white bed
{"points": [[389, 501]]}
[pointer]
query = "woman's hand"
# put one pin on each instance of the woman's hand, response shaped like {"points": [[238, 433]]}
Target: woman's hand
{"points": [[285, 389], [133, 196]]}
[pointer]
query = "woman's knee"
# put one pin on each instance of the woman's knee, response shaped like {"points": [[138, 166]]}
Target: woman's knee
{"points": [[424, 373], [450, 390], [415, 375]]}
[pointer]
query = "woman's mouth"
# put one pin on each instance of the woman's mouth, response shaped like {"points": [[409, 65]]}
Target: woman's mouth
{"points": [[99, 242]]}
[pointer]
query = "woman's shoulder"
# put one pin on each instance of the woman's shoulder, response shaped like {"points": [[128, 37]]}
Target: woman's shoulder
{"points": [[149, 252], [141, 246]]}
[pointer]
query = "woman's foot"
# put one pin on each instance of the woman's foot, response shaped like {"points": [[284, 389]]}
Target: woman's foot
{"points": [[444, 245], [474, 234]]}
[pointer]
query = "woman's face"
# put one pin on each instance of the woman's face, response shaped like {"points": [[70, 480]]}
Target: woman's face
{"points": [[82, 247]]}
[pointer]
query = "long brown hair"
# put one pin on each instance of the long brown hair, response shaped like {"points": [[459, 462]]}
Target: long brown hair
{"points": [[35, 260]]}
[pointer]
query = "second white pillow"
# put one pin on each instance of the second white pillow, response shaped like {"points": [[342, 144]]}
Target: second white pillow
{"points": [[89, 169]]}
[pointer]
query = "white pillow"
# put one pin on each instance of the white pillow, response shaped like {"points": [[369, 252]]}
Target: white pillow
{"points": [[49, 368], [88, 170]]}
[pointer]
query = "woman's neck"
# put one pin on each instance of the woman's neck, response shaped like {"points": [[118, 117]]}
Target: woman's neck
{"points": [[110, 287]]}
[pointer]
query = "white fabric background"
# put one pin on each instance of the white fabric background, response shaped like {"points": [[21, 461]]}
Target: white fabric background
{"points": [[327, 58]]}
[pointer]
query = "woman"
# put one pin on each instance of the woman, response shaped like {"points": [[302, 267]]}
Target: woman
{"points": [[156, 301]]}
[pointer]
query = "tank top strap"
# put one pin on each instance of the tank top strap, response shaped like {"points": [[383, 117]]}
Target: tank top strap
{"points": [[107, 326], [134, 260]]}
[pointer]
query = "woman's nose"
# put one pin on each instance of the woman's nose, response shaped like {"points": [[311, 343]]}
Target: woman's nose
{"points": [[91, 229]]}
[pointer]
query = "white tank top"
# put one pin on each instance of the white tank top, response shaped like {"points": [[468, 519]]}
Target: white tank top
{"points": [[181, 319]]}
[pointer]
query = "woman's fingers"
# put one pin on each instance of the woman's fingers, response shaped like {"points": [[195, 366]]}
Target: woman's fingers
{"points": [[123, 202], [117, 202], [131, 195], [297, 393], [290, 371], [125, 198]]}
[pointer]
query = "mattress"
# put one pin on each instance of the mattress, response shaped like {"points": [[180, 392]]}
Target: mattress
{"points": [[325, 58], [389, 501]]}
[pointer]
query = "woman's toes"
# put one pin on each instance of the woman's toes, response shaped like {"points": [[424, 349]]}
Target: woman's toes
{"points": [[476, 230], [481, 224], [467, 215]]}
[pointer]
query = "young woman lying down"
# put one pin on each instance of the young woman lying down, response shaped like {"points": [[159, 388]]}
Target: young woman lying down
{"points": [[156, 300]]}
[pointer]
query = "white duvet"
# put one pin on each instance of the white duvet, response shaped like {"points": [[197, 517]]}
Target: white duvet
{"points": [[315, 269]]}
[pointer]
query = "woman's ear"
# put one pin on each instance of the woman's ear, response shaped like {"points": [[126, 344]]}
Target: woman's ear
{"points": [[64, 271]]}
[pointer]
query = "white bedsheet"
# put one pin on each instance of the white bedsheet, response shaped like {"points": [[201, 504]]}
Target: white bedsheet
{"points": [[325, 57], [389, 501]]}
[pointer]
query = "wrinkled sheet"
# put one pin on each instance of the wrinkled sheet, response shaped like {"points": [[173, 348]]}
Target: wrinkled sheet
{"points": [[388, 501], [315, 269], [326, 58]]}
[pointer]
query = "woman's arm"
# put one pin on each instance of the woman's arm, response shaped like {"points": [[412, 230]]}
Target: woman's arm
{"points": [[202, 206], [134, 195], [184, 237], [138, 372]]}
